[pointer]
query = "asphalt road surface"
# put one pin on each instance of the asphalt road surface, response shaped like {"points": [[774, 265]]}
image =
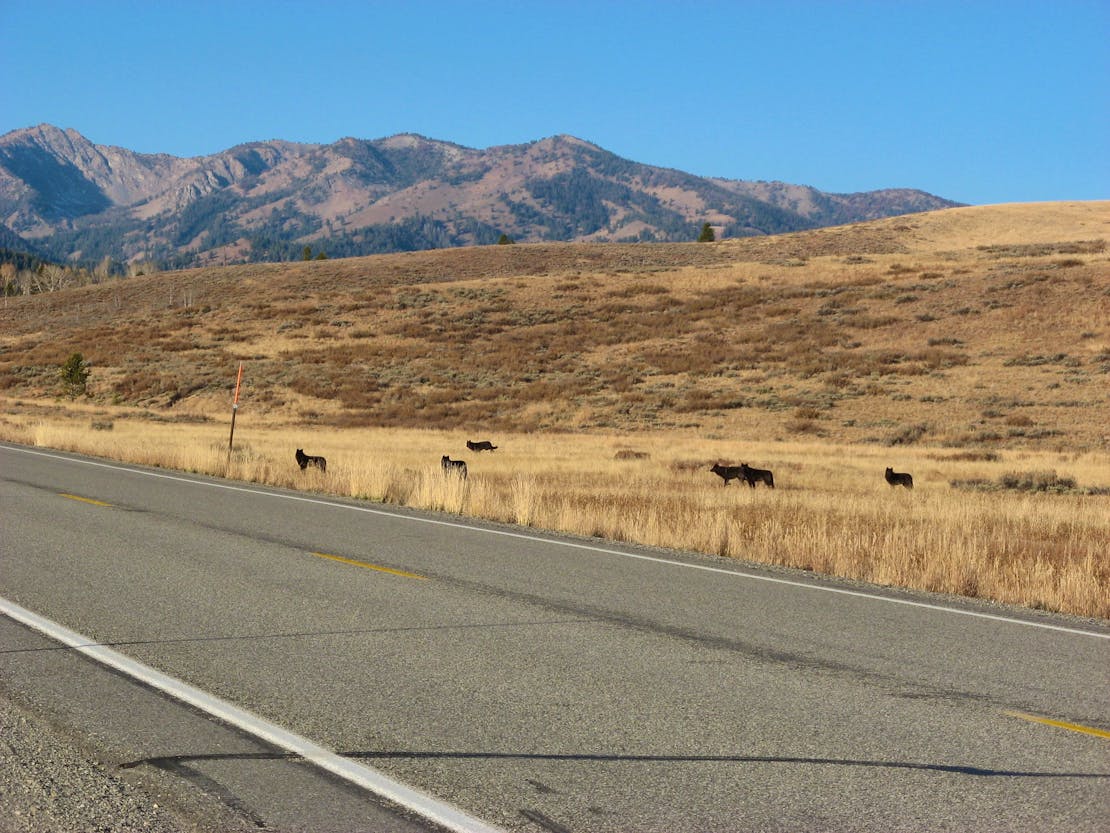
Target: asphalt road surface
{"points": [[516, 680]]}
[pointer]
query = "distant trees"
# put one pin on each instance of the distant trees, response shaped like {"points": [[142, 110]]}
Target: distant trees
{"points": [[505, 240], [50, 277], [137, 268], [579, 202], [47, 277], [22, 274], [103, 269], [707, 235], [8, 286]]}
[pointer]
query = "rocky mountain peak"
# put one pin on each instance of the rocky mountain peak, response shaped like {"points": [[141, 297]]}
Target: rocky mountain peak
{"points": [[265, 200]]}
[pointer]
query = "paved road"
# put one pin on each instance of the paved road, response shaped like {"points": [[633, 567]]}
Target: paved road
{"points": [[535, 683]]}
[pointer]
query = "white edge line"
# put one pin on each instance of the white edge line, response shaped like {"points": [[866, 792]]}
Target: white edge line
{"points": [[364, 776], [555, 541]]}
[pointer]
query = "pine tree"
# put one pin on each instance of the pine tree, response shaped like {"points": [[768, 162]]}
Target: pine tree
{"points": [[706, 235], [75, 375]]}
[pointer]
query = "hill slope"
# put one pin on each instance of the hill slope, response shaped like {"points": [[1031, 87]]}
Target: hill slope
{"points": [[971, 326], [266, 200]]}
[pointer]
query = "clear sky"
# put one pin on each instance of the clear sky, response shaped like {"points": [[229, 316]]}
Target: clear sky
{"points": [[978, 101]]}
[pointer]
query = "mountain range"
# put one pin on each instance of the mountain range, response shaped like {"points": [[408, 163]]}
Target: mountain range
{"points": [[68, 199]]}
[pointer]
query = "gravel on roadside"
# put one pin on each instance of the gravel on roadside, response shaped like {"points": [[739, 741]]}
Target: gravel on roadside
{"points": [[49, 785]]}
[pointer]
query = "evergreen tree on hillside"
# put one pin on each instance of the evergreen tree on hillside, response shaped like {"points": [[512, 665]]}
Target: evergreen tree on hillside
{"points": [[706, 235], [75, 375]]}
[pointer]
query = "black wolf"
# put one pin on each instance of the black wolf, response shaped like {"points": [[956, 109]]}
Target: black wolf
{"points": [[751, 475], [453, 466], [898, 478], [481, 445], [306, 460], [727, 473]]}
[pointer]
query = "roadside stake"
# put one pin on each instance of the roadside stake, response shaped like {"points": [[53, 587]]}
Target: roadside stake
{"points": [[440, 812], [234, 411]]}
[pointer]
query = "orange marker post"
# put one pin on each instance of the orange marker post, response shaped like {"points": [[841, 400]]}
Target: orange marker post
{"points": [[234, 411]]}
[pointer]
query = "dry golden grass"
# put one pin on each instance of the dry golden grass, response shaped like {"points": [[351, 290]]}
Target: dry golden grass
{"points": [[831, 512], [960, 345]]}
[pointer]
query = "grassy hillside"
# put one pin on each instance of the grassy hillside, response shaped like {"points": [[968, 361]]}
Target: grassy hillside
{"points": [[969, 327]]}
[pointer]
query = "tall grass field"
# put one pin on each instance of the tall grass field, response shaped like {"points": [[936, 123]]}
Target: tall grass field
{"points": [[1043, 545]]}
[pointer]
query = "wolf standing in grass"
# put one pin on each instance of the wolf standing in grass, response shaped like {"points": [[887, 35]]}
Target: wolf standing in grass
{"points": [[306, 460], [752, 476], [726, 473], [898, 478], [453, 466]]}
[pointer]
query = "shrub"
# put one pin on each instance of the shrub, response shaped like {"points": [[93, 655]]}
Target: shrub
{"points": [[631, 454], [968, 456], [75, 375], [804, 426], [907, 435], [1036, 481], [1023, 481]]}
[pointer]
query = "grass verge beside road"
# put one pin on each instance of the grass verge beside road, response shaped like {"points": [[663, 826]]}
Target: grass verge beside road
{"points": [[832, 512]]}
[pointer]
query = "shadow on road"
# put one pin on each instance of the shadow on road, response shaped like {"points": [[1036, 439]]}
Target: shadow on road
{"points": [[175, 763]]}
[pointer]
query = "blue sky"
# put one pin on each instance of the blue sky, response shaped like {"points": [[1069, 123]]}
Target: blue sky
{"points": [[980, 102]]}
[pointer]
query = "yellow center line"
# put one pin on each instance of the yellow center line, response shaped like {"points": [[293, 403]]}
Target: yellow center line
{"points": [[1073, 727], [84, 499], [369, 566]]}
